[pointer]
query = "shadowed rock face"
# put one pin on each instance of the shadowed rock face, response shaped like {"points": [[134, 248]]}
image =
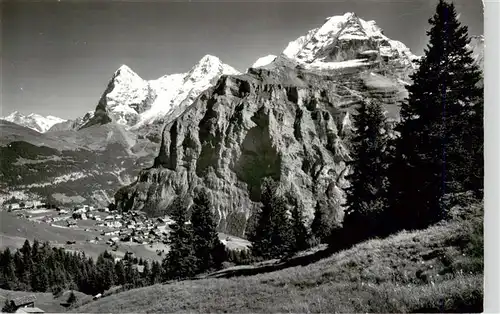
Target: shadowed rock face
{"points": [[288, 124]]}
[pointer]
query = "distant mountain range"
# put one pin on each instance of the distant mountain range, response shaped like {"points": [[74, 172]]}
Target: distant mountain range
{"points": [[287, 117], [33, 121]]}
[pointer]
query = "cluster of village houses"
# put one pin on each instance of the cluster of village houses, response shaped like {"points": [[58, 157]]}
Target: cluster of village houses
{"points": [[133, 226]]}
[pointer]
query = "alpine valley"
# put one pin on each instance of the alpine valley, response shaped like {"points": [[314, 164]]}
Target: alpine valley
{"points": [[148, 141]]}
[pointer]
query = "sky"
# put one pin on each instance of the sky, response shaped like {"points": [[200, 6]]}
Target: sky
{"points": [[58, 56]]}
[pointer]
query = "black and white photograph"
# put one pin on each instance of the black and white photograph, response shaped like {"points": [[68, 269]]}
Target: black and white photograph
{"points": [[243, 156]]}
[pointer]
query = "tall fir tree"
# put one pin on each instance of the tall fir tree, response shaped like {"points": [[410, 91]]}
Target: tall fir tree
{"points": [[272, 236], [120, 273], [8, 270], [209, 250], [180, 261], [299, 229], [156, 273], [365, 197], [146, 274], [440, 146], [320, 228]]}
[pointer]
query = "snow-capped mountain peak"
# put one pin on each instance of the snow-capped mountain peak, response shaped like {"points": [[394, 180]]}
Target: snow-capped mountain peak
{"points": [[133, 101], [208, 66], [177, 91], [345, 38], [33, 121], [125, 70]]}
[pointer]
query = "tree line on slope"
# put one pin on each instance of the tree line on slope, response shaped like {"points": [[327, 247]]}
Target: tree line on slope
{"points": [[42, 268]]}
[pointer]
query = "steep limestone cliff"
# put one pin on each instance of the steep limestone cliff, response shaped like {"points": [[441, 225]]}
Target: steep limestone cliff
{"points": [[283, 122]]}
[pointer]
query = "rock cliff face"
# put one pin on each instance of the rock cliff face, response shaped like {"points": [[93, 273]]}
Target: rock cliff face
{"points": [[282, 122]]}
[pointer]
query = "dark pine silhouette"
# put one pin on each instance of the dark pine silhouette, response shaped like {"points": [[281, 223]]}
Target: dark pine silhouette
{"points": [[439, 150]]}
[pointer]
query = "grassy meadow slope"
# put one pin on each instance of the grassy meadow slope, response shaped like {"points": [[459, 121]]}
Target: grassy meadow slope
{"points": [[439, 269], [46, 300]]}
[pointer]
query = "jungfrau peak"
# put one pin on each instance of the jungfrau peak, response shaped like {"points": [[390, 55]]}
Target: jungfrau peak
{"points": [[134, 102], [347, 38]]}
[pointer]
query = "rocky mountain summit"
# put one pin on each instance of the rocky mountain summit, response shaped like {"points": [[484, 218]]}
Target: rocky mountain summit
{"points": [[347, 37], [134, 102], [347, 41]]}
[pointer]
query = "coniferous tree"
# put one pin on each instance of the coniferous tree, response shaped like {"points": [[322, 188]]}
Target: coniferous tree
{"points": [[131, 276], [320, 228], [272, 236], [440, 146], [19, 269], [8, 270], [180, 261], [206, 239], [119, 273], [35, 250], [146, 274], [26, 250], [365, 197], [156, 273], [40, 279], [299, 229]]}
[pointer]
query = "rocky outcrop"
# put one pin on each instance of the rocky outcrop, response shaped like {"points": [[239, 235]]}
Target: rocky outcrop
{"points": [[285, 123]]}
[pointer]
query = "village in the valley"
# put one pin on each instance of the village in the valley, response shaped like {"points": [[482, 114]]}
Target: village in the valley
{"points": [[93, 230]]}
